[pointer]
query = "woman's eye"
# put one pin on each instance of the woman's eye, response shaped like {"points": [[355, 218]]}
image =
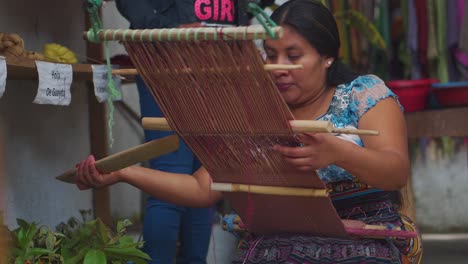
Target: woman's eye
{"points": [[271, 57], [294, 57]]}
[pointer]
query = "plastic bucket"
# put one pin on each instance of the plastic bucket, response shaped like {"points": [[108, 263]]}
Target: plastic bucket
{"points": [[412, 94], [451, 93]]}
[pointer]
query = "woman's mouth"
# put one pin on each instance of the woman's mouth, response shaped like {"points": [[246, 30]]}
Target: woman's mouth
{"points": [[282, 87]]}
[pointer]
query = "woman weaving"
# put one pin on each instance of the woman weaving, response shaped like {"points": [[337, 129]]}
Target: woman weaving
{"points": [[363, 173]]}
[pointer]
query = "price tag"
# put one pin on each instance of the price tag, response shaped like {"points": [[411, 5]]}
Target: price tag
{"points": [[54, 83], [100, 83], [3, 75]]}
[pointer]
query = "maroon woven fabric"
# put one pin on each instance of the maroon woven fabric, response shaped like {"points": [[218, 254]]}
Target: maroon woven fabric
{"points": [[220, 100]]}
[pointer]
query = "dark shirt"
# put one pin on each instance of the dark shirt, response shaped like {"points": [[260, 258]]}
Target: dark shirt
{"points": [[171, 13]]}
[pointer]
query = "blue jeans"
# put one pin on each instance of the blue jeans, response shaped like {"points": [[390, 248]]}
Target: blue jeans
{"points": [[165, 223]]}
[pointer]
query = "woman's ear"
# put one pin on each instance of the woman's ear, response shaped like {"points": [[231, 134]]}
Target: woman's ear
{"points": [[329, 61]]}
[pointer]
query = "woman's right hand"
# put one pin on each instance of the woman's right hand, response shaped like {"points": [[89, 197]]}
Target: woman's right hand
{"points": [[88, 176]]}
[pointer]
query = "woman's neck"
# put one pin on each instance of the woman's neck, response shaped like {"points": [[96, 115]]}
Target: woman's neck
{"points": [[314, 108]]}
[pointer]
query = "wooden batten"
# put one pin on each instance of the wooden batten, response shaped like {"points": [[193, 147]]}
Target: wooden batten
{"points": [[184, 34]]}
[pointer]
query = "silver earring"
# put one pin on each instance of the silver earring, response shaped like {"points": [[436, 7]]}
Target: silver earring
{"points": [[329, 62]]}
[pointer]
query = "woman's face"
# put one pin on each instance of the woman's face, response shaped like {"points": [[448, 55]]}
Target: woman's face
{"points": [[302, 86]]}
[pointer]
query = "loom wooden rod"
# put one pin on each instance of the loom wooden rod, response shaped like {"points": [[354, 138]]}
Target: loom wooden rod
{"points": [[120, 160], [355, 131], [361, 229], [270, 190], [267, 67], [184, 34], [160, 123], [274, 67]]}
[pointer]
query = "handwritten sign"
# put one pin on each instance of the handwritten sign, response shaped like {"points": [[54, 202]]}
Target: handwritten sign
{"points": [[100, 82], [54, 83], [3, 75]]}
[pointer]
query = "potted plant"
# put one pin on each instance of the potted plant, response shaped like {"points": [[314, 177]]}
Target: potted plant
{"points": [[86, 241]]}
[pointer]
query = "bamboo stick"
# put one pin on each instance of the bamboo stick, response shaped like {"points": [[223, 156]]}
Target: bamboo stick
{"points": [[300, 126], [155, 123], [184, 34], [274, 67], [355, 131], [361, 229], [269, 190], [120, 160], [311, 126], [267, 67]]}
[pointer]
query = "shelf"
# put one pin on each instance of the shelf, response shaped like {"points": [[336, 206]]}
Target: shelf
{"points": [[25, 69], [437, 123]]}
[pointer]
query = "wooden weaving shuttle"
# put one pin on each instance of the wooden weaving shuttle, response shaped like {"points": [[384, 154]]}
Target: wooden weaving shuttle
{"points": [[120, 160], [160, 123]]}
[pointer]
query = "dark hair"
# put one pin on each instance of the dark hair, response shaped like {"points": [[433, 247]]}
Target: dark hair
{"points": [[317, 25]]}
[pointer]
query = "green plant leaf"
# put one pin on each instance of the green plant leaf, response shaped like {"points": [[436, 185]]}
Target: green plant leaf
{"points": [[51, 241], [95, 256], [77, 258], [19, 260], [37, 252], [122, 225], [363, 25], [131, 245], [126, 240], [139, 260], [22, 223], [102, 231], [126, 252], [20, 234], [25, 234]]}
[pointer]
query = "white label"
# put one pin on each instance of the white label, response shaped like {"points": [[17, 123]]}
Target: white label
{"points": [[54, 83], [100, 83], [3, 75]]}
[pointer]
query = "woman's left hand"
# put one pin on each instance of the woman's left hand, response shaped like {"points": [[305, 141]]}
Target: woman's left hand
{"points": [[88, 176], [317, 151]]}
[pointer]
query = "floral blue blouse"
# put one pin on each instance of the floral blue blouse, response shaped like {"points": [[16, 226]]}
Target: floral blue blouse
{"points": [[349, 103]]}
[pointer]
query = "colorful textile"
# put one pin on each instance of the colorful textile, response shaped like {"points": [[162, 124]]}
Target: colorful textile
{"points": [[421, 15], [463, 41], [372, 209], [441, 28]]}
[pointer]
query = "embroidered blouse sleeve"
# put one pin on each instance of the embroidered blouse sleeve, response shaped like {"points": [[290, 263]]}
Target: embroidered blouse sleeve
{"points": [[368, 91]]}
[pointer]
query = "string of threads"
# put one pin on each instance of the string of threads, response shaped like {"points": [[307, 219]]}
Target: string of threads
{"points": [[221, 108], [263, 18], [96, 27]]}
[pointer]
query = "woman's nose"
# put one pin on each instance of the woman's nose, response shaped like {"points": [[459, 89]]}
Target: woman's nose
{"points": [[278, 73], [282, 61]]}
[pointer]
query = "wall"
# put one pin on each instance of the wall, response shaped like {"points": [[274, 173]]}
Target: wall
{"points": [[42, 141], [440, 183]]}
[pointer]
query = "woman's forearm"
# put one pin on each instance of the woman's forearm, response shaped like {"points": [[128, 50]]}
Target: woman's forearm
{"points": [[180, 189], [384, 169]]}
